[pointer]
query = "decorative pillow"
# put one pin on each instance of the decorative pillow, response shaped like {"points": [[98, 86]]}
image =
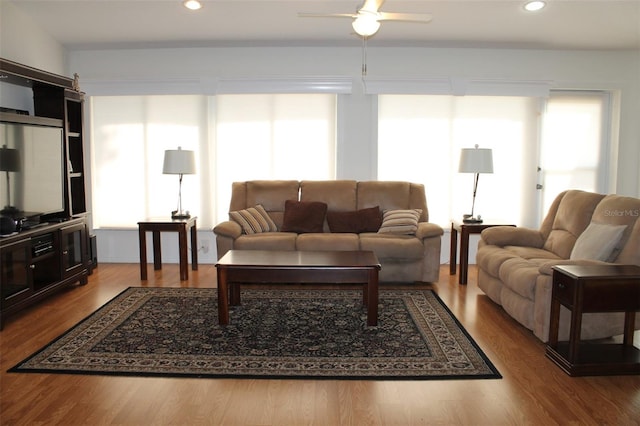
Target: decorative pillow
{"points": [[254, 220], [364, 220], [597, 242], [400, 221], [304, 216]]}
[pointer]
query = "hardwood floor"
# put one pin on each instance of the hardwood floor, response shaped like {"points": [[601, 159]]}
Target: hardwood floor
{"points": [[533, 390]]}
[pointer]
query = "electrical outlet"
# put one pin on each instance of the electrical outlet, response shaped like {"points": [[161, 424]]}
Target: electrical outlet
{"points": [[204, 246]]}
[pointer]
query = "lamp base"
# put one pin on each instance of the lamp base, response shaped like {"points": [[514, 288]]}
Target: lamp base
{"points": [[180, 215], [467, 218]]}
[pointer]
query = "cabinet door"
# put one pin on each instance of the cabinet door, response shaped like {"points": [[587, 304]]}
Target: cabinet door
{"points": [[15, 272], [73, 241]]}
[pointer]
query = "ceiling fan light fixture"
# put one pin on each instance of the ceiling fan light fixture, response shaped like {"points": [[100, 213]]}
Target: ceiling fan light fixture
{"points": [[365, 25], [534, 5], [192, 4]]}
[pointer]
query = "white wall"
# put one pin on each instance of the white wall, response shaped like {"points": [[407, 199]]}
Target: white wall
{"points": [[142, 71], [21, 40]]}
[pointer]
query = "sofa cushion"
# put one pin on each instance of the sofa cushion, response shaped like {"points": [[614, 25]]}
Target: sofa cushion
{"points": [[520, 275], [490, 258], [400, 221], [266, 241], [271, 194], [254, 220], [597, 241], [327, 241], [303, 216], [392, 195], [339, 195], [572, 218], [392, 246], [621, 210], [363, 220]]}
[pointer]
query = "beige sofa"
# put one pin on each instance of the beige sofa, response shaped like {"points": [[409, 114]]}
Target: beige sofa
{"points": [[405, 257], [514, 264]]}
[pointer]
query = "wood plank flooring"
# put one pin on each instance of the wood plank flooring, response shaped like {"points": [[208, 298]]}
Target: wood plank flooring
{"points": [[533, 391]]}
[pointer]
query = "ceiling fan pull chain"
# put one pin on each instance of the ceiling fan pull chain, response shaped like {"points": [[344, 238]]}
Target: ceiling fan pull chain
{"points": [[364, 56]]}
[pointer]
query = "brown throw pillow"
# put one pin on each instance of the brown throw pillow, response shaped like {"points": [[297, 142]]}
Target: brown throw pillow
{"points": [[304, 216], [364, 220]]}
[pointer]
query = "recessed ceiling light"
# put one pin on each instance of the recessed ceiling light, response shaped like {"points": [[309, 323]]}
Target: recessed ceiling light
{"points": [[534, 5], [192, 4]]}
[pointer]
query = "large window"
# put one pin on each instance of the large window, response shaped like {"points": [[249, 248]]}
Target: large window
{"points": [[273, 137], [235, 137], [420, 138]]}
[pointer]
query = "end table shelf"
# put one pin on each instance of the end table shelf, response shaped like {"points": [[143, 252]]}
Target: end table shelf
{"points": [[594, 288]]}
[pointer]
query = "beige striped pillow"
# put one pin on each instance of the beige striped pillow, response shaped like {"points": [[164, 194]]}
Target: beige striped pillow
{"points": [[400, 221], [254, 220]]}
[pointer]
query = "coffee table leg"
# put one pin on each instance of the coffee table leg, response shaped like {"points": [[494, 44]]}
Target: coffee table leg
{"points": [[372, 298], [234, 294], [223, 297]]}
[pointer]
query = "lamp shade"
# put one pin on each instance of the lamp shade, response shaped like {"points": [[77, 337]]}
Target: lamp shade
{"points": [[179, 162], [476, 160], [9, 159]]}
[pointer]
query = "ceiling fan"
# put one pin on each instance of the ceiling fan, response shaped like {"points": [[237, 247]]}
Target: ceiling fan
{"points": [[366, 20]]}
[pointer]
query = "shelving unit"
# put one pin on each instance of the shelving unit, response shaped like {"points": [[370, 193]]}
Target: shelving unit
{"points": [[38, 262]]}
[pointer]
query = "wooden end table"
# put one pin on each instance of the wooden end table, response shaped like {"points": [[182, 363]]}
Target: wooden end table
{"points": [[594, 288], [465, 229], [158, 225], [276, 267]]}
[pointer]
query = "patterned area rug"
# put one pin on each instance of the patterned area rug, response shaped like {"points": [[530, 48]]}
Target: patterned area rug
{"points": [[174, 332]]}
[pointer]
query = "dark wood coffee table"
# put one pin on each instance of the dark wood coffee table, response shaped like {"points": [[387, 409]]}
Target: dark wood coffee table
{"points": [[276, 267]]}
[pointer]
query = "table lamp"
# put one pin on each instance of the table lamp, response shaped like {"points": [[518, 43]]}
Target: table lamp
{"points": [[9, 162], [179, 162], [475, 160]]}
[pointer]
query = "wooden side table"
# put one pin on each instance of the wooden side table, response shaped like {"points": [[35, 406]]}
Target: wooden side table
{"points": [[465, 230], [156, 226], [594, 288]]}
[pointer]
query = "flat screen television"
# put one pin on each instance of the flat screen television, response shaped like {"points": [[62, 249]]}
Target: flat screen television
{"points": [[31, 170]]}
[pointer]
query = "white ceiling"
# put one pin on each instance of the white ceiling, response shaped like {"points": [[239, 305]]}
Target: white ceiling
{"points": [[563, 24]]}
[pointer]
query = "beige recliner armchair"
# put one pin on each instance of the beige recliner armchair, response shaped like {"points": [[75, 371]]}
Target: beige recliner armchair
{"points": [[514, 264]]}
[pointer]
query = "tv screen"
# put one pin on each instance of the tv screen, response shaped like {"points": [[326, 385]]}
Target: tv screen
{"points": [[31, 170]]}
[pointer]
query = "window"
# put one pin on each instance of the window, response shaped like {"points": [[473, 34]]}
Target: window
{"points": [[235, 137], [420, 138], [574, 151], [269, 136]]}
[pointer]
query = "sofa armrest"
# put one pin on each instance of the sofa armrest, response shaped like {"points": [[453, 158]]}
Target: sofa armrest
{"points": [[428, 230], [228, 229], [512, 236]]}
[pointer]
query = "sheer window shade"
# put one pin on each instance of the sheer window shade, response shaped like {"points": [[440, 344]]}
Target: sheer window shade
{"points": [[235, 137], [575, 144], [420, 137]]}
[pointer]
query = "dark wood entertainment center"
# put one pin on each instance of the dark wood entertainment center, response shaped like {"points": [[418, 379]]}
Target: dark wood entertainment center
{"points": [[54, 253]]}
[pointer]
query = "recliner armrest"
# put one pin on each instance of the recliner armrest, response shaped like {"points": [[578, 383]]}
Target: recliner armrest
{"points": [[428, 230], [228, 229], [512, 236]]}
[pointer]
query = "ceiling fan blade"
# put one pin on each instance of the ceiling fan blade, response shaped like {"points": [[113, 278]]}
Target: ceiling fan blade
{"points": [[325, 15], [407, 17], [372, 5]]}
